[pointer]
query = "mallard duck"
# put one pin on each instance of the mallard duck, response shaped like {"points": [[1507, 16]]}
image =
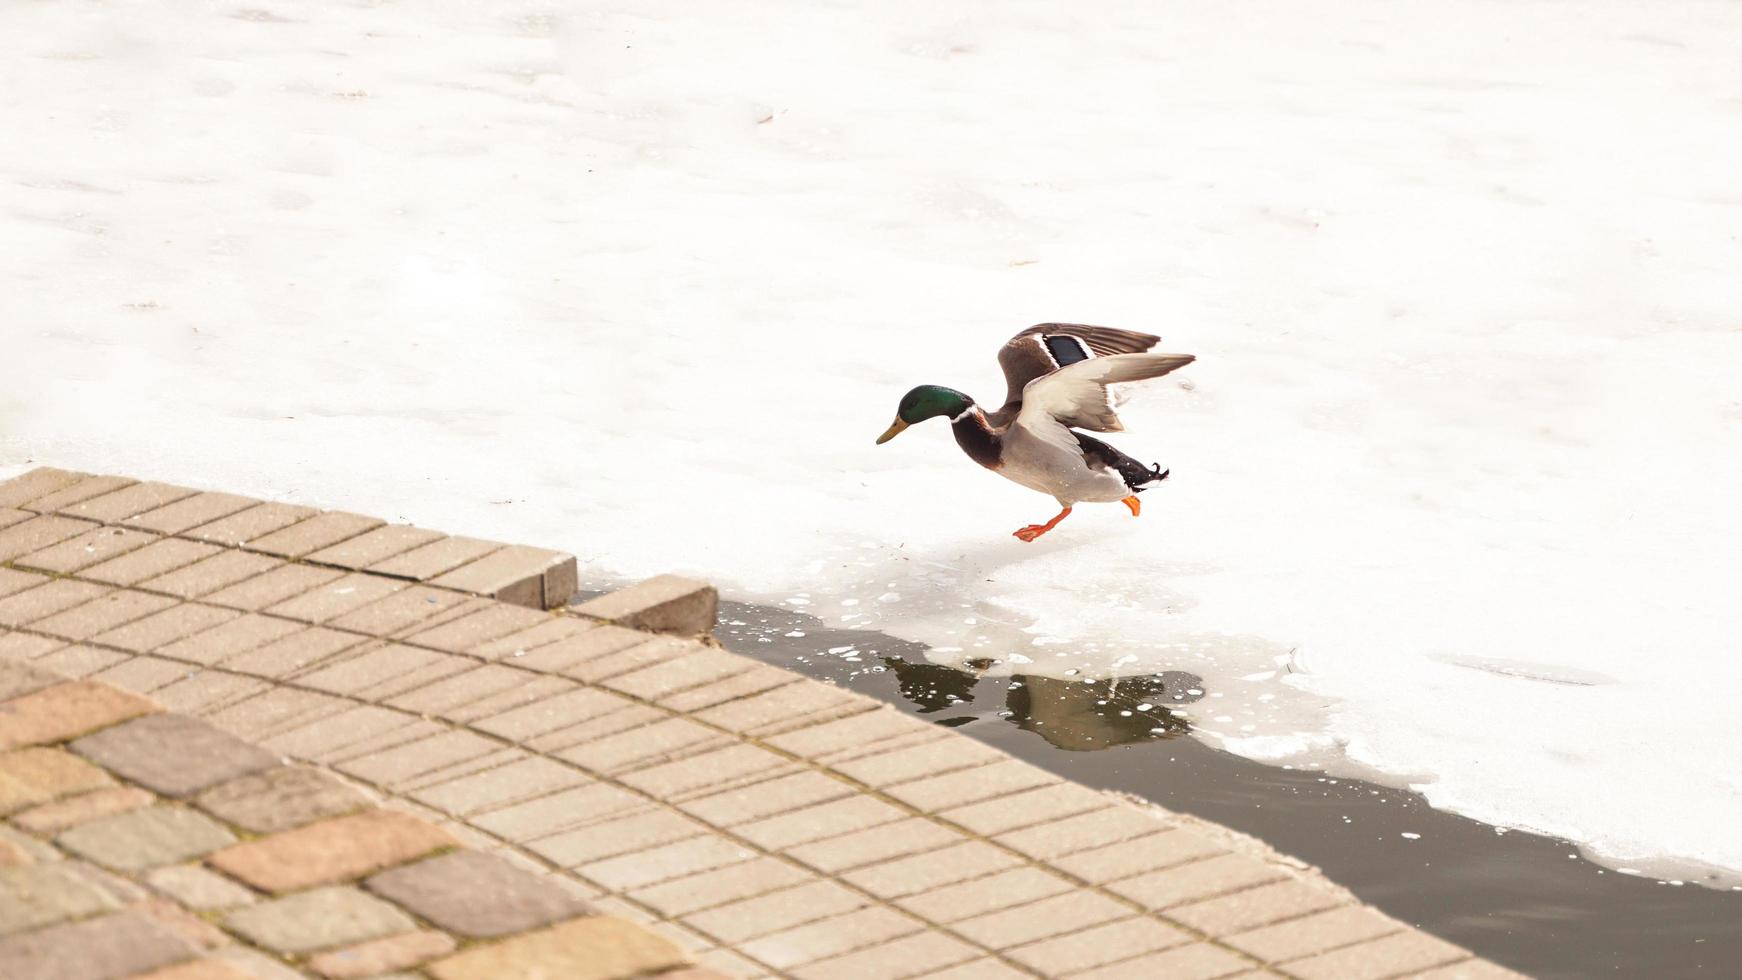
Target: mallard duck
{"points": [[1058, 375]]}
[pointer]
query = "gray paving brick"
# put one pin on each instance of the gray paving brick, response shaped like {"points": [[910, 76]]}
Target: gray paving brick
{"points": [[173, 755], [476, 895], [663, 604], [36, 895], [278, 799], [146, 838], [318, 919], [109, 947], [199, 889]]}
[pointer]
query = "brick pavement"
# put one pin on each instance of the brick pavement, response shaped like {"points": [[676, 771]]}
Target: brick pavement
{"points": [[479, 784]]}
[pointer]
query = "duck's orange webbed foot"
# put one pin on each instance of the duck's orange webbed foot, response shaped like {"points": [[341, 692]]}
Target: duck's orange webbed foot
{"points": [[1133, 503], [1033, 531]]}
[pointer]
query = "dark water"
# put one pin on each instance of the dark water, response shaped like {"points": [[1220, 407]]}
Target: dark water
{"points": [[1528, 902]]}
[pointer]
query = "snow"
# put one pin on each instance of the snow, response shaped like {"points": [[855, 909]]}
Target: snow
{"points": [[1453, 479]]}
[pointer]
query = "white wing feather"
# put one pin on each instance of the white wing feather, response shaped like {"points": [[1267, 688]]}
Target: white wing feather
{"points": [[1076, 396]]}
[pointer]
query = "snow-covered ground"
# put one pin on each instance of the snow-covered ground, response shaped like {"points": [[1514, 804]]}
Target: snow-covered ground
{"points": [[1455, 478]]}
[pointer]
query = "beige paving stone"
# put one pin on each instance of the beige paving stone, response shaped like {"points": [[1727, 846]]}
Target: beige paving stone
{"points": [[160, 557], [622, 824], [373, 547], [642, 868], [207, 969], [574, 705], [706, 889], [531, 691], [782, 795], [656, 650], [795, 905], [320, 531], [101, 614], [590, 948], [759, 679], [244, 526], [1198, 961], [81, 551], [1131, 857], [528, 778], [979, 896], [275, 709], [594, 729], [585, 804], [77, 660], [332, 850], [832, 736], [34, 484], [1254, 907], [260, 966], [771, 706], [294, 653], [830, 937], [595, 643], [336, 598], [198, 933], [970, 785], [318, 919], [922, 872], [9, 517], [662, 604], [47, 599], [204, 689], [1096, 828], [882, 843], [325, 735], [524, 576], [21, 678], [52, 818], [80, 490], [1043, 805], [1311, 934], [1468, 970], [190, 512], [142, 675], [370, 666], [33, 776], [119, 944], [457, 690], [204, 576], [173, 755], [1086, 948], [985, 968], [929, 759], [395, 766], [34, 535], [475, 895], [145, 838], [901, 957], [467, 633], [1197, 880], [431, 560], [19, 647], [674, 779], [378, 956], [13, 581], [1390, 956], [548, 630], [819, 822], [664, 679], [277, 585], [280, 799], [227, 640], [199, 889], [113, 508], [160, 629], [648, 744], [36, 895], [403, 611], [64, 711]]}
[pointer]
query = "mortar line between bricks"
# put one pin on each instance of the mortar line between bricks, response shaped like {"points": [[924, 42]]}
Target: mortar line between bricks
{"points": [[615, 783], [862, 789]]}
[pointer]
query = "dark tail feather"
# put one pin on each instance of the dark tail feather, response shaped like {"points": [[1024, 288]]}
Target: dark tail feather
{"points": [[1136, 476]]}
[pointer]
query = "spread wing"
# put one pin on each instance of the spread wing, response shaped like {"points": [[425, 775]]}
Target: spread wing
{"points": [[1042, 349], [1076, 397]]}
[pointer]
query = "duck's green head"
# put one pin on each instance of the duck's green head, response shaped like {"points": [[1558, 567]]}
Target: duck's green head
{"points": [[925, 402]]}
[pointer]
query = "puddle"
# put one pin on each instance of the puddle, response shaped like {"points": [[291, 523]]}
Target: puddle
{"points": [[1528, 902]]}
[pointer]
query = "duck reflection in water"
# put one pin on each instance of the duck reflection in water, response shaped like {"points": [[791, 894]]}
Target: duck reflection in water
{"points": [[1076, 715]]}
